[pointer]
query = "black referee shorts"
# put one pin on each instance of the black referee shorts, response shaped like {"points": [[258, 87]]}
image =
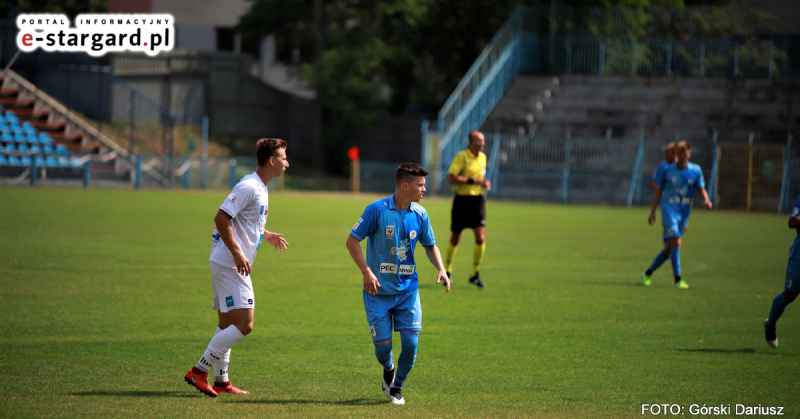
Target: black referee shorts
{"points": [[469, 211]]}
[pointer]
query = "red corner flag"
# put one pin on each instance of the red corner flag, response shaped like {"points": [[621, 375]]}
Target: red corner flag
{"points": [[352, 154]]}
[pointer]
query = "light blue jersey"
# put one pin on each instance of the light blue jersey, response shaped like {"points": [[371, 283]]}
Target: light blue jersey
{"points": [[393, 235], [794, 253], [676, 202], [664, 165]]}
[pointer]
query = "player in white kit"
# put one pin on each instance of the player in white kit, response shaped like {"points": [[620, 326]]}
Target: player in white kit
{"points": [[240, 228]]}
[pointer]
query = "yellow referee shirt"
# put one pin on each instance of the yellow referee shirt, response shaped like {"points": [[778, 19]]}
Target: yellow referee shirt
{"points": [[470, 166]]}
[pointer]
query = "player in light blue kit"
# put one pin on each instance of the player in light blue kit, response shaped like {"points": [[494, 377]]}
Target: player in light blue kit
{"points": [[669, 160], [792, 286], [675, 188], [394, 225]]}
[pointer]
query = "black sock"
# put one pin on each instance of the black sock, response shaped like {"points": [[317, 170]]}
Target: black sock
{"points": [[677, 278], [648, 272]]}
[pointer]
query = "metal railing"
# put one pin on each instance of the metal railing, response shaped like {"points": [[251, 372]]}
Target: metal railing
{"points": [[640, 42]]}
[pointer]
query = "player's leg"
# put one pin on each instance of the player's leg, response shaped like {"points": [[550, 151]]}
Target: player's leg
{"points": [[221, 382], [452, 248], [379, 320], [661, 257], [456, 227], [477, 256], [234, 298], [675, 258], [407, 321], [789, 294]]}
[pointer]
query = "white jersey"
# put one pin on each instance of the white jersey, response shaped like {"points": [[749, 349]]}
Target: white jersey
{"points": [[248, 205]]}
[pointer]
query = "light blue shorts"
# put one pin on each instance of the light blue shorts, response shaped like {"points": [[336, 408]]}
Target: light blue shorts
{"points": [[793, 276], [403, 311], [674, 224]]}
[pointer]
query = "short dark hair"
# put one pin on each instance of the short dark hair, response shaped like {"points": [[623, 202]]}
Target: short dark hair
{"points": [[683, 145], [408, 171], [267, 147]]}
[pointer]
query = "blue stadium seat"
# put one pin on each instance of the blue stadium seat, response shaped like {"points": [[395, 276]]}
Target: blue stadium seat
{"points": [[25, 161], [3, 160], [10, 147], [6, 137], [32, 138], [20, 138], [61, 150], [51, 161], [47, 149], [22, 147], [45, 139], [35, 148], [13, 161]]}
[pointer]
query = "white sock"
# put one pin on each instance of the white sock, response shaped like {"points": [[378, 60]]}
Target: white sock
{"points": [[221, 366], [219, 345]]}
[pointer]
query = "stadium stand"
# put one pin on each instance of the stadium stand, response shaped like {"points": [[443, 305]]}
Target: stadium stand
{"points": [[666, 107]]}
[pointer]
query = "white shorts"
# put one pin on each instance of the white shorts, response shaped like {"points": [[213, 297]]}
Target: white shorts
{"points": [[231, 290]]}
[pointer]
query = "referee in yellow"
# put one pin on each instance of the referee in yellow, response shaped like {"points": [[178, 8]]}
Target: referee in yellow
{"points": [[468, 174]]}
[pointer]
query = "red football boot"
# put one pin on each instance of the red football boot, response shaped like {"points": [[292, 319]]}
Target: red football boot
{"points": [[227, 387], [199, 380]]}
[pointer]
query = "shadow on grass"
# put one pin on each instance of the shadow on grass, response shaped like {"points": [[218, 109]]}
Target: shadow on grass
{"points": [[354, 402], [730, 351], [137, 393]]}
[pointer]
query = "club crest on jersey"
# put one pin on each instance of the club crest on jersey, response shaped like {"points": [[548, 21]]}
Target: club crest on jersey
{"points": [[413, 234], [389, 231], [674, 180], [215, 237], [690, 182]]}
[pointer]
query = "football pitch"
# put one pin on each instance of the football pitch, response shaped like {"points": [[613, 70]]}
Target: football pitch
{"points": [[107, 299]]}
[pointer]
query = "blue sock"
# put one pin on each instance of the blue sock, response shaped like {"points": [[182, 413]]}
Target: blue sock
{"points": [[384, 355], [659, 260], [407, 357], [675, 257], [778, 305]]}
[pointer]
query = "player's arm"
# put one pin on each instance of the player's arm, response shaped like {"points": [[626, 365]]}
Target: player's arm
{"points": [[225, 228], [276, 240], [706, 201], [371, 283], [436, 259], [794, 222], [657, 197], [461, 180]]}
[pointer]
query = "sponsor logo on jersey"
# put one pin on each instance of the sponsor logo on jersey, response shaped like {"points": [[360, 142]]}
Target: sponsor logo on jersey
{"points": [[674, 180], [388, 268], [358, 223], [233, 200], [401, 251], [407, 269], [413, 234], [229, 301], [390, 232]]}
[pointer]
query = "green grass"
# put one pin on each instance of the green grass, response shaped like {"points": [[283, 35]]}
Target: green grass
{"points": [[107, 294]]}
